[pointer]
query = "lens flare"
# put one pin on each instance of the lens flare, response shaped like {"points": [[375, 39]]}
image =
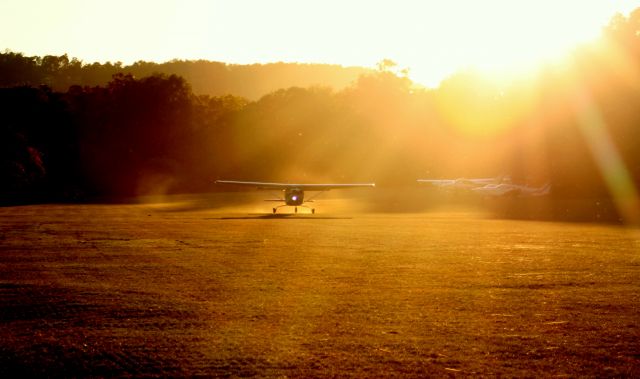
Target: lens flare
{"points": [[612, 167]]}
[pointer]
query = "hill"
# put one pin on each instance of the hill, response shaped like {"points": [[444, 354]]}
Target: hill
{"points": [[206, 77]]}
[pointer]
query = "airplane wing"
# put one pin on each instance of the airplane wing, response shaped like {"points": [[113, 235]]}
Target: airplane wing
{"points": [[304, 187]]}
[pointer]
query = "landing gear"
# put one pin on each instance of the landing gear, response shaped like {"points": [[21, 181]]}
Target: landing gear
{"points": [[295, 209]]}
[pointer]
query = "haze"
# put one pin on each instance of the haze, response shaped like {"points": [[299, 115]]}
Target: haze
{"points": [[432, 39]]}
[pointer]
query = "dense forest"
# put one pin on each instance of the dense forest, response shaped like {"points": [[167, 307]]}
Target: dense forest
{"points": [[67, 136]]}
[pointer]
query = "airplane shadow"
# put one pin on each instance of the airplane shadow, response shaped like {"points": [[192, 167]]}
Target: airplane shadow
{"points": [[278, 216]]}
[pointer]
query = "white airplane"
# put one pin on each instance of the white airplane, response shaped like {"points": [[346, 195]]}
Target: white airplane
{"points": [[500, 186], [294, 193], [504, 189], [463, 183]]}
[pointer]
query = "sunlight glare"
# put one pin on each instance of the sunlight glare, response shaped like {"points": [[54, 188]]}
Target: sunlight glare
{"points": [[503, 37], [431, 39], [612, 167]]}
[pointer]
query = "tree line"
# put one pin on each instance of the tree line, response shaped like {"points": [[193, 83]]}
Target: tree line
{"points": [[206, 77], [575, 126]]}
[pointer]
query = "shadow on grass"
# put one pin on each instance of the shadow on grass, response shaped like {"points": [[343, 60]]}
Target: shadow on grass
{"points": [[289, 216]]}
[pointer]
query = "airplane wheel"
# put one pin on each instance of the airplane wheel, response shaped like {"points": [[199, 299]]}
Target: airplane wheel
{"points": [[274, 211], [296, 209], [313, 211]]}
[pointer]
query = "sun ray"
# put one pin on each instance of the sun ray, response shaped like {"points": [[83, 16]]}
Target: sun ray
{"points": [[610, 163]]}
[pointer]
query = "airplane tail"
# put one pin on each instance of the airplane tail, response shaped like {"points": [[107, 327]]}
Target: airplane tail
{"points": [[544, 190]]}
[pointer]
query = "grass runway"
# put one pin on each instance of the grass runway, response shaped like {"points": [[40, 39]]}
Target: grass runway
{"points": [[147, 291]]}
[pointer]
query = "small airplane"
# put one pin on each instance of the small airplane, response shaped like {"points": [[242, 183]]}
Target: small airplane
{"points": [[499, 186], [294, 193], [463, 183], [504, 189]]}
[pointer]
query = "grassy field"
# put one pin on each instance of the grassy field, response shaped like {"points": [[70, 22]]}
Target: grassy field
{"points": [[157, 290]]}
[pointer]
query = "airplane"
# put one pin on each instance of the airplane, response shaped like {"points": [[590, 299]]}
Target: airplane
{"points": [[499, 186], [294, 193], [505, 189], [463, 183]]}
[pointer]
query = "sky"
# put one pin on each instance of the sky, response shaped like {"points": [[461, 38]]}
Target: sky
{"points": [[432, 39]]}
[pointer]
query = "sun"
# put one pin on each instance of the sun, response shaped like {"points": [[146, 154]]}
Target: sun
{"points": [[505, 36]]}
